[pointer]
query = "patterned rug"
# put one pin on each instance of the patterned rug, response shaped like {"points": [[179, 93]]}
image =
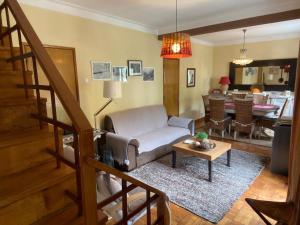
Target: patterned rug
{"points": [[187, 185]]}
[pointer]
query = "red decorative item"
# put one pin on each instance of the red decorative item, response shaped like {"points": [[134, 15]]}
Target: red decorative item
{"points": [[176, 45], [224, 80]]}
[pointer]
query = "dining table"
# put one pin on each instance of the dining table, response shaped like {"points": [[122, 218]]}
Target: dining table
{"points": [[263, 110]]}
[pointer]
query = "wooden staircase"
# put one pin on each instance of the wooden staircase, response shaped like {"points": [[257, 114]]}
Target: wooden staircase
{"points": [[32, 188]]}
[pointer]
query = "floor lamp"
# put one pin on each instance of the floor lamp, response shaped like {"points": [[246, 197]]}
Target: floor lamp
{"points": [[111, 90]]}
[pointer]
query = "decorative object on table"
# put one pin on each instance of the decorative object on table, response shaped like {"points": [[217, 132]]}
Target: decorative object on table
{"points": [[224, 81], [135, 67], [176, 45], [111, 90], [101, 70], [210, 200], [203, 145], [120, 73], [148, 74], [190, 77], [243, 59], [201, 136]]}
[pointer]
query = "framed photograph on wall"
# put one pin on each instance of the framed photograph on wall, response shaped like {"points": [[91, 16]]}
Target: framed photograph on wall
{"points": [[119, 73], [101, 70], [135, 67], [190, 77], [148, 74]]}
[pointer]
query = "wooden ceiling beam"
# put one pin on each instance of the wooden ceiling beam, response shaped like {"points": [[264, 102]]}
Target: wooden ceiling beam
{"points": [[248, 22]]}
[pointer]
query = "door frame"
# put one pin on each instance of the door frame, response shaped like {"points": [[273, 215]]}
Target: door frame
{"points": [[25, 44]]}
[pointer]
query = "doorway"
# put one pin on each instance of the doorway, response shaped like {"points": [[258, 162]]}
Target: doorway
{"points": [[171, 86]]}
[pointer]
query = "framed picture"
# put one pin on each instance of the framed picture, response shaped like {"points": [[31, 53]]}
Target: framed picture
{"points": [[148, 74], [190, 77], [101, 70], [119, 73], [135, 68]]}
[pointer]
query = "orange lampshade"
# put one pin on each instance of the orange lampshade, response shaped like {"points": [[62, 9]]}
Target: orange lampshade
{"points": [[224, 80], [176, 45]]}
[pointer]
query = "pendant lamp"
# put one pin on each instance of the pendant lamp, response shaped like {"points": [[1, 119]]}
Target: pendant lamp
{"points": [[176, 45]]}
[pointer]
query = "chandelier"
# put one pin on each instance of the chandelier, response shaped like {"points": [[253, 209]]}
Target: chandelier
{"points": [[243, 60], [176, 45]]}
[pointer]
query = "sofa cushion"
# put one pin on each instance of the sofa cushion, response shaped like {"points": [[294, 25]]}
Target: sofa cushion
{"points": [[159, 137], [134, 122]]}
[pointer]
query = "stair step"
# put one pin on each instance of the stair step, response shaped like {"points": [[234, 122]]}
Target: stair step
{"points": [[5, 39], [21, 185], [29, 196], [15, 114], [23, 150], [61, 217], [10, 79], [4, 65], [5, 51]]}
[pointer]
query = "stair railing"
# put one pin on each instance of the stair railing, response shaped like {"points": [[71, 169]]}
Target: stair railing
{"points": [[85, 165]]}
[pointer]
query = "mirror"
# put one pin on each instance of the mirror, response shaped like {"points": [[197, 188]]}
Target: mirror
{"points": [[273, 75], [268, 75]]}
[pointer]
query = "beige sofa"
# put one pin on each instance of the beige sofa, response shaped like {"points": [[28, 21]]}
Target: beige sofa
{"points": [[141, 135]]}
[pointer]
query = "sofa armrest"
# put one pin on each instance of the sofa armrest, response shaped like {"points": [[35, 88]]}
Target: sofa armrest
{"points": [[119, 146], [187, 123]]}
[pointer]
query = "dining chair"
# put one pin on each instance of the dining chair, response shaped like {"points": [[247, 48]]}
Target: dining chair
{"points": [[218, 118], [244, 121], [239, 95], [205, 99], [260, 99]]}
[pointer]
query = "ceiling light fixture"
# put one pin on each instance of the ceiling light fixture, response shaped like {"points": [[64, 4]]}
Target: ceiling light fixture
{"points": [[243, 60], [176, 45]]}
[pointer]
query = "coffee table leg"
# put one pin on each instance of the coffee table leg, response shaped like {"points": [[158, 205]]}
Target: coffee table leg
{"points": [[210, 171], [174, 159], [228, 158]]}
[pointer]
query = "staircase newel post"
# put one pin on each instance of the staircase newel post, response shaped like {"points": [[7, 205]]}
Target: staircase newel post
{"points": [[88, 177]]}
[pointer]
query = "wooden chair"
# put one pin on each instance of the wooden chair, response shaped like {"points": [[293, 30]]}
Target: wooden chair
{"points": [[218, 119], [260, 99], [243, 117], [282, 212], [205, 99], [239, 95]]}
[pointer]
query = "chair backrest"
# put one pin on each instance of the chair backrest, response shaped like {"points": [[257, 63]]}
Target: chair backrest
{"points": [[260, 99], [243, 111], [217, 110], [239, 95], [206, 102]]}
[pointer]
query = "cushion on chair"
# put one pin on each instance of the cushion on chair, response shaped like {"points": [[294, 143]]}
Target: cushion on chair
{"points": [[160, 137]]}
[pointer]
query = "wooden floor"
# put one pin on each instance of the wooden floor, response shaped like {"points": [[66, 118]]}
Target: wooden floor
{"points": [[267, 186]]}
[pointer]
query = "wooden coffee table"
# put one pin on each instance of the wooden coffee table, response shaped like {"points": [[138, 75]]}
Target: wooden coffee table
{"points": [[209, 155]]}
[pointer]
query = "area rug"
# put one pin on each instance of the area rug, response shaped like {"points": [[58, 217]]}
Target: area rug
{"points": [[188, 187]]}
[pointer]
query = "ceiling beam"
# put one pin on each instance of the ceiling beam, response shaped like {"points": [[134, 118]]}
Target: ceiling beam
{"points": [[248, 22]]}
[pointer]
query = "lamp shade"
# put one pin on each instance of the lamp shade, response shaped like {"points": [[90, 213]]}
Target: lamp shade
{"points": [[224, 80], [112, 89], [176, 45]]}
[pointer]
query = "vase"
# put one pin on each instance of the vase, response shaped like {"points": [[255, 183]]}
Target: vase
{"points": [[224, 88]]}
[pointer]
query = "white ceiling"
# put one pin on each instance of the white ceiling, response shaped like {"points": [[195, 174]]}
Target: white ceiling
{"points": [[274, 31], [158, 16]]}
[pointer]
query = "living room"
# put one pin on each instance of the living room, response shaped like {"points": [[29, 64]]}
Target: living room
{"points": [[111, 36]]}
